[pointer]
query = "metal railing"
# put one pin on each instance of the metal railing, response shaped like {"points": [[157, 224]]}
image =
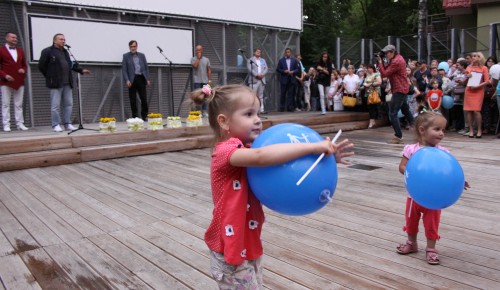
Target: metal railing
{"points": [[441, 45]]}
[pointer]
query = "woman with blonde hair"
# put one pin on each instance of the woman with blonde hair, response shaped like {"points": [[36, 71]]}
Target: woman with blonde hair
{"points": [[474, 94]]}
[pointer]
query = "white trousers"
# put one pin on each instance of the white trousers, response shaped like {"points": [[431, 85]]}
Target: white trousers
{"points": [[17, 95], [258, 88]]}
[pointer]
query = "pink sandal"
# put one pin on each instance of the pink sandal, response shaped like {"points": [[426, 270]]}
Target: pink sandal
{"points": [[407, 248], [432, 256]]}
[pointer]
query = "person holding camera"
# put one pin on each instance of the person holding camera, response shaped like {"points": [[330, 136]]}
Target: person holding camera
{"points": [[395, 70]]}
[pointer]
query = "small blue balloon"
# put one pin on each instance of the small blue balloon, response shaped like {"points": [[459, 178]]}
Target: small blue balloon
{"points": [[444, 65], [434, 178], [447, 102], [275, 186]]}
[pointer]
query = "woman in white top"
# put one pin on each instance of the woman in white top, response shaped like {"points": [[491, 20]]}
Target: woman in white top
{"points": [[350, 84], [334, 87]]}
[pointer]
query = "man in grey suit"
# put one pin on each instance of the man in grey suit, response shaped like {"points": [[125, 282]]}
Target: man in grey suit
{"points": [[257, 68], [135, 73]]}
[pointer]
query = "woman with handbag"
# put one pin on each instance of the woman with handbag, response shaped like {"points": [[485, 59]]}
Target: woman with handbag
{"points": [[372, 86], [350, 85]]}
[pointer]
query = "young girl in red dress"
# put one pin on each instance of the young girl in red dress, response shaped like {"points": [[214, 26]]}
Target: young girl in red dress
{"points": [[429, 129], [233, 236]]}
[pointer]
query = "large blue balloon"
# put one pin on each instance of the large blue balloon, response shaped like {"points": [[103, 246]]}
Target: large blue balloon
{"points": [[275, 186], [434, 178], [447, 102], [444, 65]]}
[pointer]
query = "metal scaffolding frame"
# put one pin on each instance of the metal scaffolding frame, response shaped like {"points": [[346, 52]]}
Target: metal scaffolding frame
{"points": [[104, 94]]}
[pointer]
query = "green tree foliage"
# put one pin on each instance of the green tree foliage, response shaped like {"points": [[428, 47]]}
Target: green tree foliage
{"points": [[321, 27], [355, 19]]}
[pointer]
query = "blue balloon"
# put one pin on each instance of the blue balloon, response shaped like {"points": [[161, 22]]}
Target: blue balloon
{"points": [[434, 178], [447, 102], [444, 65], [275, 186]]}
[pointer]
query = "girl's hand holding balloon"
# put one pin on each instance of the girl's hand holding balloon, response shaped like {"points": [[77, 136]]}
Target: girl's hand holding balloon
{"points": [[326, 147]]}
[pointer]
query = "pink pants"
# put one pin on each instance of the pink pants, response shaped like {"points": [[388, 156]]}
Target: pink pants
{"points": [[430, 217]]}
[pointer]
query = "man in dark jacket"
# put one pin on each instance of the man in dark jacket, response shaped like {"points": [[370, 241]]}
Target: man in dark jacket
{"points": [[135, 72], [288, 68], [56, 66]]}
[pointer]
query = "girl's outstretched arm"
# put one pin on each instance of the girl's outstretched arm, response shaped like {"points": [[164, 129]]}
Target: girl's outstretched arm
{"points": [[280, 153]]}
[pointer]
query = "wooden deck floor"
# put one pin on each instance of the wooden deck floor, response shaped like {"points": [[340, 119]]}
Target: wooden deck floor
{"points": [[138, 223]]}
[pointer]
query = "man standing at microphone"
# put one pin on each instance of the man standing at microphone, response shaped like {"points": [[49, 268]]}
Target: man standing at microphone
{"points": [[257, 67], [56, 66], [135, 73], [12, 74], [201, 73]]}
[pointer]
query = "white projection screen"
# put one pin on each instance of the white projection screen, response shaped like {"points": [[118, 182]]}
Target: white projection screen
{"points": [[101, 42], [285, 14]]}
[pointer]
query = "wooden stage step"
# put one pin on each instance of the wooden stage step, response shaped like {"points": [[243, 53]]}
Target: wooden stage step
{"points": [[35, 148]]}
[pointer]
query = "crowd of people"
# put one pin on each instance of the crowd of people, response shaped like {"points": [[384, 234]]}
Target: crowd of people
{"points": [[406, 88]]}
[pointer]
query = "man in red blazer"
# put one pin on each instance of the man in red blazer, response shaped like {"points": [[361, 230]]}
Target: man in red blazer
{"points": [[12, 73]]}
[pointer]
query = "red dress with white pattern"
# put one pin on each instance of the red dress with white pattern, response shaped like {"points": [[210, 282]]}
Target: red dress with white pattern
{"points": [[237, 216]]}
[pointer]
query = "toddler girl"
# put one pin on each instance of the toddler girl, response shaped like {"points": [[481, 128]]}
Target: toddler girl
{"points": [[233, 236], [434, 96], [429, 129]]}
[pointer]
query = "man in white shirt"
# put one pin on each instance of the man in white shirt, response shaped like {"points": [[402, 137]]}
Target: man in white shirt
{"points": [[257, 68]]}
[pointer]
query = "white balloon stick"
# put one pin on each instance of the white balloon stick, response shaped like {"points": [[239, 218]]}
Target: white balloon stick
{"points": [[317, 160]]}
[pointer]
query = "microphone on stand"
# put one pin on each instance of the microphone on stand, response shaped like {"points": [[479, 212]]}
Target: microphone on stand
{"points": [[159, 48], [67, 46]]}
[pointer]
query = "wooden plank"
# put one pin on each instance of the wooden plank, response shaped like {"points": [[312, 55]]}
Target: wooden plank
{"points": [[39, 191], [39, 232], [15, 275], [97, 200], [105, 194], [56, 224], [191, 191], [139, 136], [34, 144], [165, 260], [135, 196], [5, 247], [39, 159], [184, 235], [166, 201], [13, 237], [115, 274], [141, 148], [82, 274], [366, 275], [63, 196], [47, 272], [142, 268]]}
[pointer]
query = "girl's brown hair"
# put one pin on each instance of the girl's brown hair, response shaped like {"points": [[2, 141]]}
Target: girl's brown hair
{"points": [[425, 120], [221, 100]]}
